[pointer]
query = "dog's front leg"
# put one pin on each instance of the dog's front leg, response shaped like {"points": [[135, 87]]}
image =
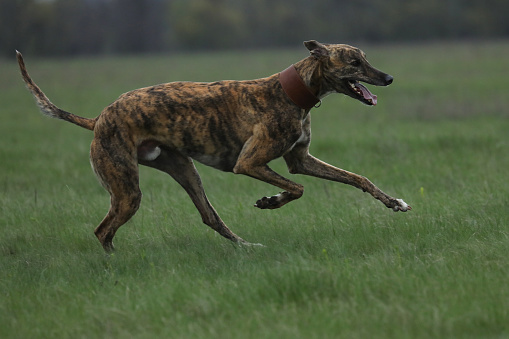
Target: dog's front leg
{"points": [[301, 162], [252, 161], [291, 192]]}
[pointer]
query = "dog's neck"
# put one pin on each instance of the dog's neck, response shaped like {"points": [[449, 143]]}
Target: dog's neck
{"points": [[296, 89], [311, 71]]}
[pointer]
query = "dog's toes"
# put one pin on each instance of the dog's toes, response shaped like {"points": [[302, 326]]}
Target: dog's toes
{"points": [[401, 206], [241, 242], [249, 244], [262, 203]]}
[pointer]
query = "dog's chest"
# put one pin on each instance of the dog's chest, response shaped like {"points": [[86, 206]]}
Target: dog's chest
{"points": [[303, 138]]}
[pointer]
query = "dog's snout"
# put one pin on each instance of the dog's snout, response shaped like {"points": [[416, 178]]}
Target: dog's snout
{"points": [[388, 79]]}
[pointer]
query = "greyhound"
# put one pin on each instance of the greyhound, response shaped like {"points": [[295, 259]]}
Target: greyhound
{"points": [[233, 126]]}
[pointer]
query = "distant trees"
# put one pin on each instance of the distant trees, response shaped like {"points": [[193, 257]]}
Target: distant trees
{"points": [[72, 27]]}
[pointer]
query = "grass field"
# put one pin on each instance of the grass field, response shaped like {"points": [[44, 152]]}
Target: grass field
{"points": [[337, 264]]}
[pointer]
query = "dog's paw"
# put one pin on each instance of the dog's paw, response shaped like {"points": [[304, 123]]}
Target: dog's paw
{"points": [[276, 201], [268, 202], [401, 206]]}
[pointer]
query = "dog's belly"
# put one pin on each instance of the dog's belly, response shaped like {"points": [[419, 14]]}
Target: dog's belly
{"points": [[224, 164], [150, 150]]}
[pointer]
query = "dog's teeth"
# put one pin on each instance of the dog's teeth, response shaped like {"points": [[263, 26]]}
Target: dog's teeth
{"points": [[354, 88]]}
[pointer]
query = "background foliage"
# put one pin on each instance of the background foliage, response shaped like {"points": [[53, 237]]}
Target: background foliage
{"points": [[71, 27]]}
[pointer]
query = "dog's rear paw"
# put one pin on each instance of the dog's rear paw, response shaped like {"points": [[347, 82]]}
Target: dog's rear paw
{"points": [[401, 206], [250, 244]]}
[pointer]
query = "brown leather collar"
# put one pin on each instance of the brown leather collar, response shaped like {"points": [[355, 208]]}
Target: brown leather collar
{"points": [[296, 89]]}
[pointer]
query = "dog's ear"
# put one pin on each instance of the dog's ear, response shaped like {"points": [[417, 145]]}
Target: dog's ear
{"points": [[317, 49]]}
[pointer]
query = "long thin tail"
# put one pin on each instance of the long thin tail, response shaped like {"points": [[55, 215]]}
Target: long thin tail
{"points": [[46, 106]]}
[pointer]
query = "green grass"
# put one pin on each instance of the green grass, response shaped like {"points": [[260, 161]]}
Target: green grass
{"points": [[337, 264]]}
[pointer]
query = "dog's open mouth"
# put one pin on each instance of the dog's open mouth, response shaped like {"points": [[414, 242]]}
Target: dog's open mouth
{"points": [[363, 94]]}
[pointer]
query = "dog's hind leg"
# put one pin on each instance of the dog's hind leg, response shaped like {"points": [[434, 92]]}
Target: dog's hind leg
{"points": [[182, 169], [118, 173]]}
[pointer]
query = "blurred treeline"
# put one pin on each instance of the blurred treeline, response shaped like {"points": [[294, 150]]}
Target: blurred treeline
{"points": [[76, 27]]}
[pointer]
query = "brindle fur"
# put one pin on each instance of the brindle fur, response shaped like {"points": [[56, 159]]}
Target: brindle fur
{"points": [[234, 126]]}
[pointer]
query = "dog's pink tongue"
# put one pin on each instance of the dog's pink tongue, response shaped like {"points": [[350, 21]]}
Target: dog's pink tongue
{"points": [[366, 93]]}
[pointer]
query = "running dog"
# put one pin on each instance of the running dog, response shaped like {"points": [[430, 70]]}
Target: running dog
{"points": [[233, 126]]}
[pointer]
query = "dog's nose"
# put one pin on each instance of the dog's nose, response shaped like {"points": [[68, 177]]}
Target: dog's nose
{"points": [[388, 79]]}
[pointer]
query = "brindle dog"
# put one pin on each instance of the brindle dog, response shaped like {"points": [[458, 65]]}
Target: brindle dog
{"points": [[234, 126]]}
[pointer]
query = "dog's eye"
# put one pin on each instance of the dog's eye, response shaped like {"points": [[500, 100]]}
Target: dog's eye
{"points": [[355, 63]]}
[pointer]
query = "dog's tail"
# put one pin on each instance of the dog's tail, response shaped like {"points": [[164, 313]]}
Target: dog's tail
{"points": [[46, 106]]}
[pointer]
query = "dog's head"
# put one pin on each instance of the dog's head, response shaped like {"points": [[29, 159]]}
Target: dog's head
{"points": [[343, 67]]}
